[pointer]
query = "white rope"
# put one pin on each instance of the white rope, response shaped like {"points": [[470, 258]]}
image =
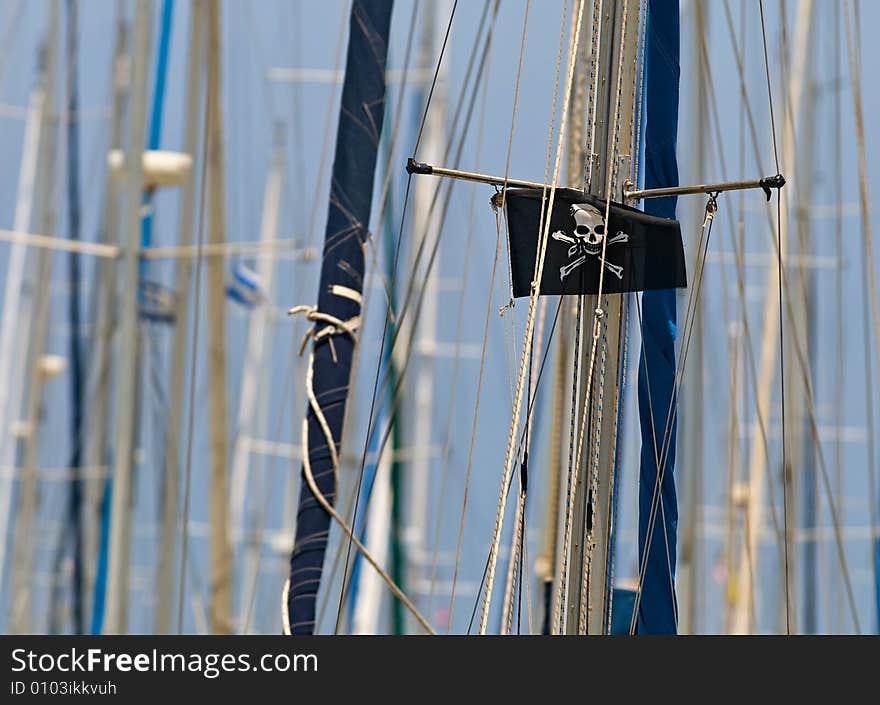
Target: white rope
{"points": [[285, 613], [562, 583], [527, 340], [512, 572], [336, 326]]}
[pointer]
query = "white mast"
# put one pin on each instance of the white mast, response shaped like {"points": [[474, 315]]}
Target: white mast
{"points": [[22, 557], [690, 563], [801, 452], [14, 327], [748, 570], [116, 620], [38, 310], [432, 147], [371, 588]]}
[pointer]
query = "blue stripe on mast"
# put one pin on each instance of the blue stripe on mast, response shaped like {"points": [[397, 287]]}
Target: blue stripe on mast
{"points": [[155, 137], [657, 609], [146, 240]]}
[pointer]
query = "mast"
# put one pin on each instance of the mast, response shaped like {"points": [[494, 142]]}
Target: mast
{"points": [[690, 562], [99, 492], [255, 375], [382, 492], [121, 518], [588, 605], [748, 565], [77, 381], [15, 327], [801, 454], [548, 563], [22, 556], [432, 145], [221, 551], [183, 276]]}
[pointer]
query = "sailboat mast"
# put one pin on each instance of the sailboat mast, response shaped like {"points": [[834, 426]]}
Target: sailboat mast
{"points": [[98, 492], [121, 519], [77, 372], [432, 145], [22, 556], [221, 549], [183, 276], [14, 327], [547, 564], [801, 453], [748, 574], [690, 561], [588, 605]]}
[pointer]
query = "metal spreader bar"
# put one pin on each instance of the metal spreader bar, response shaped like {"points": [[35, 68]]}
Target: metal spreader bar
{"points": [[767, 183], [414, 167], [629, 193]]}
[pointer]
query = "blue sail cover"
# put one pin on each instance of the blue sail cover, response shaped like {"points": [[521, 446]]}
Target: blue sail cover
{"points": [[657, 610], [351, 192]]}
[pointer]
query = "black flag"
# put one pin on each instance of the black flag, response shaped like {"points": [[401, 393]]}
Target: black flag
{"points": [[642, 251]]}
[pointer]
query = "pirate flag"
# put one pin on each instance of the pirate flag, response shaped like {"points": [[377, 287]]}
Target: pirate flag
{"points": [[641, 251]]}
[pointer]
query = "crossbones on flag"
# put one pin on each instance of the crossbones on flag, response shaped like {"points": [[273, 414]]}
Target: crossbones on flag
{"points": [[642, 251]]}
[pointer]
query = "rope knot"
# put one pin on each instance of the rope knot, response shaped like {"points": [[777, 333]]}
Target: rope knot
{"points": [[335, 326]]}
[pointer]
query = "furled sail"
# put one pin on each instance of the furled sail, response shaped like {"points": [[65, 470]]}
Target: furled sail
{"points": [[658, 508], [337, 314]]}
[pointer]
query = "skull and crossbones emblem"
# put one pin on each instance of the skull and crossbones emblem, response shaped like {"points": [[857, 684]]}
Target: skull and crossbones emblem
{"points": [[586, 239]]}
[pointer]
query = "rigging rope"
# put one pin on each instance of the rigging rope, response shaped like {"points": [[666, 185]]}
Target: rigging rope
{"points": [[598, 317], [383, 207], [467, 480], [786, 471], [672, 412], [530, 322], [453, 382], [432, 257], [322, 500], [373, 398], [197, 314]]}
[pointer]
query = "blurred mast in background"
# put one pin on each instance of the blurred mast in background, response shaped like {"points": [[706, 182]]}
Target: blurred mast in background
{"points": [[127, 372], [36, 311], [182, 287], [426, 227], [100, 490], [221, 550], [747, 571], [690, 563], [15, 327]]}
